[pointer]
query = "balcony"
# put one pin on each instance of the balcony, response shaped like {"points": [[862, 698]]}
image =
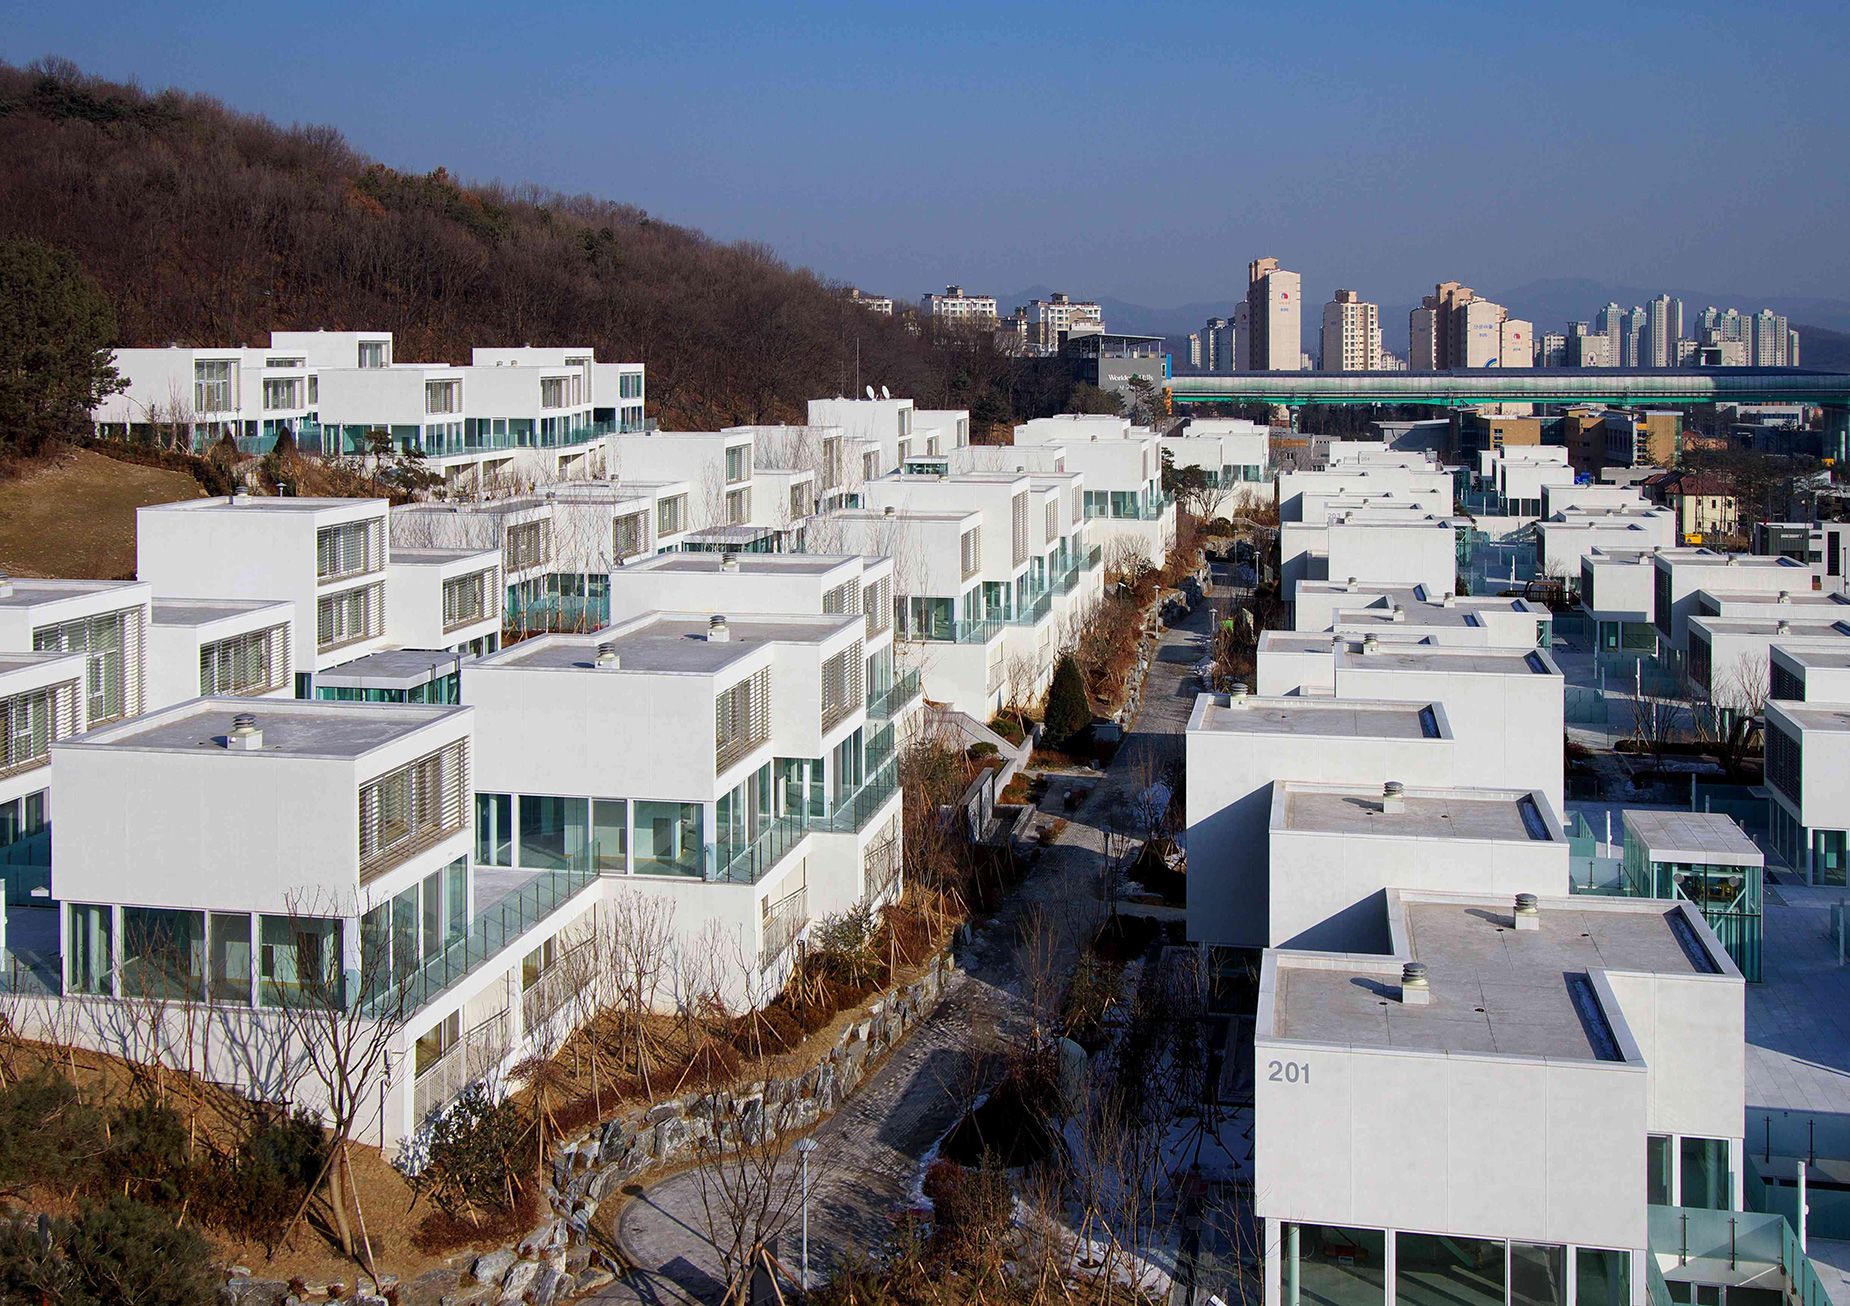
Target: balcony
{"points": [[1742, 1249], [978, 631], [492, 931], [856, 808], [468, 1059], [750, 861], [884, 704], [1034, 612]]}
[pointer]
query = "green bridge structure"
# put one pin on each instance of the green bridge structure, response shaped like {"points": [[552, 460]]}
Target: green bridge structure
{"points": [[1471, 387]]}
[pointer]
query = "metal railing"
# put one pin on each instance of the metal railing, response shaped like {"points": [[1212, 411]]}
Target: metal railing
{"points": [[466, 1060], [978, 631], [1034, 612], [884, 704], [491, 932], [749, 861], [783, 921], [857, 808]]}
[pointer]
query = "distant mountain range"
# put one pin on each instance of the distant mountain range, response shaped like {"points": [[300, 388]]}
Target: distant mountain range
{"points": [[1823, 324]]}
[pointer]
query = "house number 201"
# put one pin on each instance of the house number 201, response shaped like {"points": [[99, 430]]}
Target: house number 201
{"points": [[1289, 1072]]}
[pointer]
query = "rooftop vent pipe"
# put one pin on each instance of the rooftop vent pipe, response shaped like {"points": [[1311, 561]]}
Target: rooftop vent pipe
{"points": [[607, 658], [1236, 694], [1371, 645], [245, 737], [1393, 797], [717, 633], [1783, 628], [729, 562], [6, 584], [1528, 915], [1414, 989], [1397, 613], [887, 511], [1785, 596]]}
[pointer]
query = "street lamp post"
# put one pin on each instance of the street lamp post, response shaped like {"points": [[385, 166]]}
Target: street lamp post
{"points": [[804, 1147]]}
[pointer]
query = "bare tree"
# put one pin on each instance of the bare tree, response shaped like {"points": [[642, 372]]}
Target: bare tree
{"points": [[639, 942], [1730, 714], [346, 1032]]}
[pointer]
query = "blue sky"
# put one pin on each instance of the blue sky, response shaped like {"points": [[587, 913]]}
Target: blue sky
{"points": [[1140, 151]]}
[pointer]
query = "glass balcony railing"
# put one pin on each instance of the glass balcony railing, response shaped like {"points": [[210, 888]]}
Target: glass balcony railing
{"points": [[978, 631], [882, 704], [491, 932], [1741, 1248], [750, 861], [856, 808], [1034, 612]]}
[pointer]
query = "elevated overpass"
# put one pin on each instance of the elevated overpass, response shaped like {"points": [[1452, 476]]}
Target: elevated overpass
{"points": [[1470, 387]]}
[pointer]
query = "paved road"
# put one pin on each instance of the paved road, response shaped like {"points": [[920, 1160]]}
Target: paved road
{"points": [[869, 1151]]}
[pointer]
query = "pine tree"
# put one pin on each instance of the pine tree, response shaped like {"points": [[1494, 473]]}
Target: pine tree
{"points": [[1068, 712]]}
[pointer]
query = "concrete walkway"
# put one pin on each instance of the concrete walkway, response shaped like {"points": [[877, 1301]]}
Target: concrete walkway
{"points": [[870, 1151]]}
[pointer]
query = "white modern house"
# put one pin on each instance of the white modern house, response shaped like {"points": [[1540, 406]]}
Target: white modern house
{"points": [[1566, 539], [1727, 659], [942, 626], [1374, 543], [1355, 608], [509, 415], [445, 598], [1231, 452], [1514, 477], [783, 810], [326, 557], [1807, 772], [356, 892], [885, 432], [1305, 495], [1618, 595], [1535, 1099], [220, 647], [1679, 575], [106, 621], [523, 532], [42, 700], [1122, 465]]}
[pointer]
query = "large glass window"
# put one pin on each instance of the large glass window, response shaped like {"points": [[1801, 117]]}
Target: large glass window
{"points": [[163, 953], [228, 943], [456, 900], [1602, 1277], [610, 842], [90, 950], [299, 961], [212, 385], [404, 934], [1430, 1270], [553, 831], [110, 674], [1707, 1180], [494, 830], [1538, 1275], [1335, 1267], [667, 838], [430, 915]]}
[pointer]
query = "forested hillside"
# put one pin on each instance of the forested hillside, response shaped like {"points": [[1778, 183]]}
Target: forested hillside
{"points": [[208, 226]]}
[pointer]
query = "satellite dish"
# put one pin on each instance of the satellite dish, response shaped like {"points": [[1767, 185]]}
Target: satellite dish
{"points": [[870, 392], [885, 393]]}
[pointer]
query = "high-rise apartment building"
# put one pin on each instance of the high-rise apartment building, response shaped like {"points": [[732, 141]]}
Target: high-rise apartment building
{"points": [[1351, 334], [1274, 333], [1663, 328], [960, 309], [1771, 339], [1050, 321], [1453, 328], [1551, 350]]}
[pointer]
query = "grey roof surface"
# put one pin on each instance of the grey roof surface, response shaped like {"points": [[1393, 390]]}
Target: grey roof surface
{"points": [[1816, 716], [1692, 836], [1482, 814], [303, 728], [1451, 661], [1770, 598], [392, 668], [426, 557], [1811, 622], [1327, 717], [669, 643], [26, 661], [1810, 651], [802, 564], [260, 503], [203, 612], [1495, 989], [31, 591]]}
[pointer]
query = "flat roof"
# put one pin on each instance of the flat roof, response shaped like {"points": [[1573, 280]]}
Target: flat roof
{"points": [[1450, 660], [670, 643], [1809, 651], [1815, 716], [1323, 717], [1326, 642], [1692, 837], [1620, 557], [484, 508], [426, 557], [294, 727], [34, 591], [392, 668], [800, 564], [1487, 815], [1495, 990], [204, 612], [1812, 623], [911, 514], [1767, 599], [26, 661], [261, 503]]}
